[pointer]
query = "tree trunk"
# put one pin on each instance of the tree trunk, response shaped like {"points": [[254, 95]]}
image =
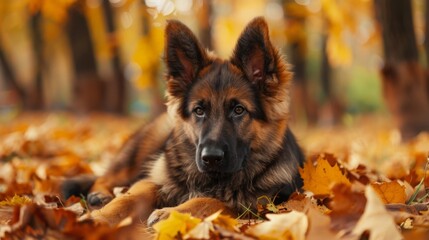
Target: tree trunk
{"points": [[427, 42], [88, 92], [116, 91], [427, 31], [34, 100], [304, 106], [404, 79], [325, 70], [205, 18], [333, 109], [10, 77]]}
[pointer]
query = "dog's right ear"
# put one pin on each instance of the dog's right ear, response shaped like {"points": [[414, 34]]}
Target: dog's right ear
{"points": [[183, 55]]}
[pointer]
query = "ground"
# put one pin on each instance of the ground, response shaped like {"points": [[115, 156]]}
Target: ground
{"points": [[360, 179]]}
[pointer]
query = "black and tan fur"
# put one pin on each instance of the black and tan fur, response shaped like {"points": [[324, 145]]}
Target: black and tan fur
{"points": [[224, 142]]}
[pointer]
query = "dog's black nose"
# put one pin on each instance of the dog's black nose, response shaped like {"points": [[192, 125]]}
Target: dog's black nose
{"points": [[212, 156]]}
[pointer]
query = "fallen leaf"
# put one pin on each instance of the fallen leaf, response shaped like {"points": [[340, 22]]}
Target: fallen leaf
{"points": [[176, 223], [320, 178], [228, 234], [291, 225], [390, 192], [376, 220], [347, 206], [201, 231], [226, 222], [15, 200], [318, 225], [297, 202], [204, 228]]}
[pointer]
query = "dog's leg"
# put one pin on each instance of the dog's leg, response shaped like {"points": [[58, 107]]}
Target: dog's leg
{"points": [[127, 166], [138, 202], [197, 207]]}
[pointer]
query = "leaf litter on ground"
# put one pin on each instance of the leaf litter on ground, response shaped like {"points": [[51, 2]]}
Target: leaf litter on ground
{"points": [[360, 181]]}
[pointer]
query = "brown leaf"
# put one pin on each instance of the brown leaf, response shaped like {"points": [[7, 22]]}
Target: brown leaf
{"points": [[33, 221], [347, 206], [390, 192], [298, 202]]}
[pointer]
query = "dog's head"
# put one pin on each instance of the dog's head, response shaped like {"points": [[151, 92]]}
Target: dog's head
{"points": [[232, 108]]}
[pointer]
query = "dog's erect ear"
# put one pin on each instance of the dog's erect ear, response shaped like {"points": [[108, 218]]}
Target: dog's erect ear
{"points": [[254, 53], [183, 55]]}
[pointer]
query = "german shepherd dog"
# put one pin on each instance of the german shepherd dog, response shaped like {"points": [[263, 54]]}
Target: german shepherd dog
{"points": [[223, 142]]}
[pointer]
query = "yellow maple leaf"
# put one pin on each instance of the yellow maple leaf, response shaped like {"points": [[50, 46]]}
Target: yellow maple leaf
{"points": [[319, 179], [390, 192], [175, 223]]}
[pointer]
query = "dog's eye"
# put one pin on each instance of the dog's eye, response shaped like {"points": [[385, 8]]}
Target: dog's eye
{"points": [[199, 111], [239, 110]]}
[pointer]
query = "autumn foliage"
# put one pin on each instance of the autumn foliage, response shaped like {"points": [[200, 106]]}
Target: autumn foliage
{"points": [[344, 194]]}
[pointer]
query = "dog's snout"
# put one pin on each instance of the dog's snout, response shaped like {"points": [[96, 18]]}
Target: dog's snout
{"points": [[212, 156]]}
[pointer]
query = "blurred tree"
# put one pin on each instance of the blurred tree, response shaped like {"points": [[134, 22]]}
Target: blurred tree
{"points": [[35, 99], [296, 36], [427, 34], [333, 108], [146, 59], [405, 82], [31, 97], [89, 89], [205, 23], [10, 77], [116, 90]]}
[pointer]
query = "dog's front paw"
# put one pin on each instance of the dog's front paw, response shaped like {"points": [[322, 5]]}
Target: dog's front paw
{"points": [[98, 199], [158, 215]]}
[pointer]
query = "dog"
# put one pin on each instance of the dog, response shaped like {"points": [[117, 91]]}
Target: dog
{"points": [[223, 142]]}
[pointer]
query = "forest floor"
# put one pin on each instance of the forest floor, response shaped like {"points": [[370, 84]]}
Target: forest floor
{"points": [[359, 180]]}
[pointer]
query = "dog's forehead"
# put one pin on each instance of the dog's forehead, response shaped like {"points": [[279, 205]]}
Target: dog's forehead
{"points": [[222, 81]]}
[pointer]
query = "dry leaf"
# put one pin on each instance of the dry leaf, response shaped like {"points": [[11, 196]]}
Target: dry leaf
{"points": [[291, 225], [15, 200], [203, 229], [390, 192], [376, 219], [226, 222], [318, 225], [347, 206], [174, 224], [298, 202], [320, 178]]}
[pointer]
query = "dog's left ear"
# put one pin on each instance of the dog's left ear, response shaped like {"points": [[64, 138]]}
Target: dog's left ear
{"points": [[254, 53], [183, 56]]}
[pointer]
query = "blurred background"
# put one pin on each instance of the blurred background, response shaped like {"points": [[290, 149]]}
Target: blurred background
{"points": [[350, 58]]}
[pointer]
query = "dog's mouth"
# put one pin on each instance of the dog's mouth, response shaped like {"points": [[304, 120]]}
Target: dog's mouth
{"points": [[220, 175], [226, 171]]}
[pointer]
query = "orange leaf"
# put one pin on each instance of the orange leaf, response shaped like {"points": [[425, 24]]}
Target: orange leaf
{"points": [[319, 179], [390, 192]]}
